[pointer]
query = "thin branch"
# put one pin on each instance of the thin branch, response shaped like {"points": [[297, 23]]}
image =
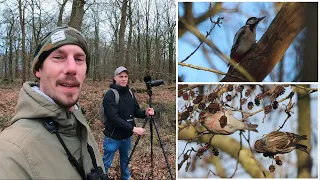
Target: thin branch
{"points": [[207, 69]]}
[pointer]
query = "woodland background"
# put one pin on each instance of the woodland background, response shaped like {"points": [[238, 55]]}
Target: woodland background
{"points": [[204, 46], [246, 163], [137, 34]]}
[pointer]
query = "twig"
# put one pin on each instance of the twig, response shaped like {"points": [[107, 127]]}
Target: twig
{"points": [[311, 90], [208, 69]]}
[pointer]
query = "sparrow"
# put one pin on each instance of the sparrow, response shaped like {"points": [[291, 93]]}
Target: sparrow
{"points": [[278, 142], [224, 123]]}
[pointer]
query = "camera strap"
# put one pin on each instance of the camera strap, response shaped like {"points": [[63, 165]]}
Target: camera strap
{"points": [[52, 127]]}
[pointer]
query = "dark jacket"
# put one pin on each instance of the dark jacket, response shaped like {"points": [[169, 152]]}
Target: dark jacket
{"points": [[119, 124]]}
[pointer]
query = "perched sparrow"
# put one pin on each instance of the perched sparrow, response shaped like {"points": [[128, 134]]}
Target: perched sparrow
{"points": [[279, 143], [224, 123]]}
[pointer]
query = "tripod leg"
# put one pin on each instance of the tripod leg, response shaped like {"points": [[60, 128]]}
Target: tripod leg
{"points": [[161, 145], [137, 141], [151, 151]]}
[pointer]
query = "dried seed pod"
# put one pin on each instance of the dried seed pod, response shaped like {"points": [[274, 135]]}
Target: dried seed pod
{"points": [[250, 105], [199, 97], [267, 109], [215, 151], [230, 87], [223, 121], [184, 115], [202, 106], [279, 90], [243, 100], [195, 101], [185, 96], [212, 96], [279, 162], [248, 92], [257, 102], [260, 96], [213, 107], [240, 88], [253, 86], [190, 108], [272, 168], [228, 97], [275, 105]]}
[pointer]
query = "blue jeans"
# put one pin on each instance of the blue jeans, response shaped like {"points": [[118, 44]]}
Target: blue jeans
{"points": [[110, 147]]}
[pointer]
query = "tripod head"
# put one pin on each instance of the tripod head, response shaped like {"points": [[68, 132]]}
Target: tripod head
{"points": [[150, 83]]}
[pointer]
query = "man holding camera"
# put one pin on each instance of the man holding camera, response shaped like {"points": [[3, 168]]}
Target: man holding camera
{"points": [[49, 137], [120, 124]]}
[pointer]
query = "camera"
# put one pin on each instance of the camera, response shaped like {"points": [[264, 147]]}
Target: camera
{"points": [[151, 83], [97, 174]]}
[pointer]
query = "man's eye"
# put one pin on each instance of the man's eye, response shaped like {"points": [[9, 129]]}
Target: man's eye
{"points": [[79, 59], [57, 57]]}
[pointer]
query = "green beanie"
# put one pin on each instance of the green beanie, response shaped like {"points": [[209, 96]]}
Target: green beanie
{"points": [[58, 37]]}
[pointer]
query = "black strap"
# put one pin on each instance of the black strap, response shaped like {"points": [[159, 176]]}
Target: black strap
{"points": [[52, 127]]}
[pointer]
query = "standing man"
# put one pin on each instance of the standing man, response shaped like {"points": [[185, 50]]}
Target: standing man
{"points": [[120, 125], [28, 150]]}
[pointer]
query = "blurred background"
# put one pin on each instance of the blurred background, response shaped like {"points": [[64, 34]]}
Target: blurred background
{"points": [[303, 121], [235, 15]]}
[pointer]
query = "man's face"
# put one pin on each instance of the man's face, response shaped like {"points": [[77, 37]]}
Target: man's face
{"points": [[62, 75], [121, 79]]}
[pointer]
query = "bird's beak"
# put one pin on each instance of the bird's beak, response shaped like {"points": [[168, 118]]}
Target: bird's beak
{"points": [[261, 18]]}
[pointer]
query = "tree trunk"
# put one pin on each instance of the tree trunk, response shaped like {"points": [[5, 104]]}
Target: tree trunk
{"points": [[61, 9], [309, 71], [77, 14], [122, 31], [304, 128], [23, 40], [148, 43], [10, 36]]}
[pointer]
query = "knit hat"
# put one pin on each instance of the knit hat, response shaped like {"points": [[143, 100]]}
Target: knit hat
{"points": [[58, 37], [120, 70]]}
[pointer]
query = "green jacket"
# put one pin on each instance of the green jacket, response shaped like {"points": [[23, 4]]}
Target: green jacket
{"points": [[29, 151]]}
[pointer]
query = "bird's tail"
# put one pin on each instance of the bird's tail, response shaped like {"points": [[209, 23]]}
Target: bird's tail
{"points": [[252, 127], [302, 147]]}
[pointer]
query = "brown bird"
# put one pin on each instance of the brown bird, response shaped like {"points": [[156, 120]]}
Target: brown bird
{"points": [[279, 143], [224, 123]]}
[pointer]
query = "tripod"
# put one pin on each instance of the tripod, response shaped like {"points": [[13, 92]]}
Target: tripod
{"points": [[151, 121]]}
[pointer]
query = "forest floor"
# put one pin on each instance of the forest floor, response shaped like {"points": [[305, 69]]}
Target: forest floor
{"points": [[163, 101]]}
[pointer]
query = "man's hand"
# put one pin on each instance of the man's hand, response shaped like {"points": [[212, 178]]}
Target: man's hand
{"points": [[149, 111], [139, 131]]}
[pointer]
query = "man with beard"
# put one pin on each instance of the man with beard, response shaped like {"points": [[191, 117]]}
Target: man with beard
{"points": [[49, 137]]}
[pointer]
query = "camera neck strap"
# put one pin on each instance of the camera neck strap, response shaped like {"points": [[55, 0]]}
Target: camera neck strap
{"points": [[53, 127]]}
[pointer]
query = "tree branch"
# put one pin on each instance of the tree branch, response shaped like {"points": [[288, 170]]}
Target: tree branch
{"points": [[245, 158]]}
